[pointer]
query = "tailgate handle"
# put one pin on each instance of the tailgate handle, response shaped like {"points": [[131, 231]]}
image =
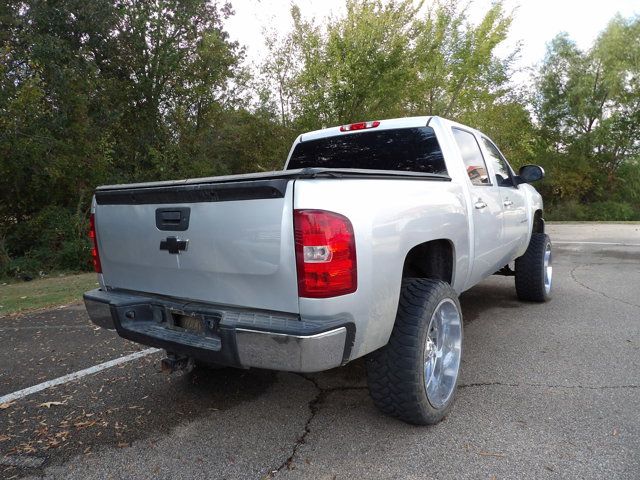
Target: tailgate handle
{"points": [[173, 219]]}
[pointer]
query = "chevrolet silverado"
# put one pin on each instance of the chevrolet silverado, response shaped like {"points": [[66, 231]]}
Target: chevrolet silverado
{"points": [[359, 247]]}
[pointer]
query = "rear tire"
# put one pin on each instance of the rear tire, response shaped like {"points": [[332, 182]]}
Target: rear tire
{"points": [[534, 270], [414, 376]]}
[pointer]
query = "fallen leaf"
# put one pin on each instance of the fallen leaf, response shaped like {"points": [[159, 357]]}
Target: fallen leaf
{"points": [[50, 404], [4, 438], [6, 405], [123, 444], [85, 424], [492, 454]]}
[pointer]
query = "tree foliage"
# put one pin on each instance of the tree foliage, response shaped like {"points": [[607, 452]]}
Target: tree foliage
{"points": [[108, 91], [396, 58], [588, 106]]}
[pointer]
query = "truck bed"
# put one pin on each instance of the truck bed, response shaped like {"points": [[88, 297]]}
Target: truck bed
{"points": [[277, 175]]}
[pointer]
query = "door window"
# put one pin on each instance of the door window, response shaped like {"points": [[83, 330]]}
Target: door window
{"points": [[472, 157], [499, 163]]}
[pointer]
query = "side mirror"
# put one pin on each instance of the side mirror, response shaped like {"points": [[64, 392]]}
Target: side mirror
{"points": [[530, 173]]}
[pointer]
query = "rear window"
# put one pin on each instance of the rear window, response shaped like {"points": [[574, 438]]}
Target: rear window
{"points": [[404, 149]]}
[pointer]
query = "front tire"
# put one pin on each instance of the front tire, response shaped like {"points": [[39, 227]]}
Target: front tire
{"points": [[414, 376], [534, 270]]}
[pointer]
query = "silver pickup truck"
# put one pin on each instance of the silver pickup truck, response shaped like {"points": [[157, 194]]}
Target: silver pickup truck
{"points": [[360, 246]]}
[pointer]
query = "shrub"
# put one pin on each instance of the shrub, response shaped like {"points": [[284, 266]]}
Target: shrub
{"points": [[611, 211], [45, 230], [53, 239], [5, 259], [607, 211], [564, 211], [75, 254], [25, 268]]}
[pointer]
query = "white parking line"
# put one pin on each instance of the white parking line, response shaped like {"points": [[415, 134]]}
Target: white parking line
{"points": [[598, 243], [47, 327], [10, 397]]}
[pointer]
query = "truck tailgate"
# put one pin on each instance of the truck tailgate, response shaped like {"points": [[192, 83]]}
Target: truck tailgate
{"points": [[237, 250]]}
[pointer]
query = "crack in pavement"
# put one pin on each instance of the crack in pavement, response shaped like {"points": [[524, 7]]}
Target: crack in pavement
{"points": [[544, 385], [597, 291], [316, 402], [314, 408]]}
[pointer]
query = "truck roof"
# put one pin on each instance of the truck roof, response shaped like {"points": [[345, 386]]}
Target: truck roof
{"points": [[387, 124]]}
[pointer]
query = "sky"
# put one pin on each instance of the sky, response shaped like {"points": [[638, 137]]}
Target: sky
{"points": [[535, 23]]}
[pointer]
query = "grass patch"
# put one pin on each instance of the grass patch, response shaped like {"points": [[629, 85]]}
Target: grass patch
{"points": [[46, 292]]}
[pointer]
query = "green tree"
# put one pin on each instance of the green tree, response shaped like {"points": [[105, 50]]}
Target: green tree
{"points": [[390, 58], [106, 91], [53, 135], [588, 107], [178, 62], [457, 71]]}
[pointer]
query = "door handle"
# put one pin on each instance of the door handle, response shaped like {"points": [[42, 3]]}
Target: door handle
{"points": [[507, 203], [479, 204]]}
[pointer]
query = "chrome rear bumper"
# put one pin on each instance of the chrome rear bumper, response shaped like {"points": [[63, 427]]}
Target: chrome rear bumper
{"points": [[294, 353], [232, 337]]}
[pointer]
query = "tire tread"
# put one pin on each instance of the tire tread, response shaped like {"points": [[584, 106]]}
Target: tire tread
{"points": [[395, 383], [530, 270]]}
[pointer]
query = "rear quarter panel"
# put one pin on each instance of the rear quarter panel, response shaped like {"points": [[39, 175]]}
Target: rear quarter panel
{"points": [[389, 218]]}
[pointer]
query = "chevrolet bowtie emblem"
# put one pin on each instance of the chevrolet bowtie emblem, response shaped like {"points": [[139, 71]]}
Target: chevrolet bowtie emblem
{"points": [[173, 245]]}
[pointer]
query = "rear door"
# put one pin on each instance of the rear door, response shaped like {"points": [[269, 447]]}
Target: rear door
{"points": [[487, 207], [228, 243], [516, 226]]}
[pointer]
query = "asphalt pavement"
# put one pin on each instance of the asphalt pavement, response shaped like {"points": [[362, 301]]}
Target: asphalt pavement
{"points": [[546, 391]]}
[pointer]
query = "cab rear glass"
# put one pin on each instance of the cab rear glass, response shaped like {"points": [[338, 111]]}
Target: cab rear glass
{"points": [[403, 149]]}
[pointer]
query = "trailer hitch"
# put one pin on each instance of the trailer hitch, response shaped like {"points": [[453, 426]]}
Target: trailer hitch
{"points": [[173, 363]]}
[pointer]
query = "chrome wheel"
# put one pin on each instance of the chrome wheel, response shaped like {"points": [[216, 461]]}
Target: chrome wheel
{"points": [[548, 269], [442, 352]]}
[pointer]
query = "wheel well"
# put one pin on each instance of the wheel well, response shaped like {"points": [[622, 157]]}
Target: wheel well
{"points": [[432, 259], [538, 222]]}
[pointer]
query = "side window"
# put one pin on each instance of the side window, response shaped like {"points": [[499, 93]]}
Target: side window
{"points": [[472, 157], [500, 165]]}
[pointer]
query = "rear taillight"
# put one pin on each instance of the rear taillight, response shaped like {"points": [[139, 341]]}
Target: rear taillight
{"points": [[94, 244], [325, 254], [359, 126]]}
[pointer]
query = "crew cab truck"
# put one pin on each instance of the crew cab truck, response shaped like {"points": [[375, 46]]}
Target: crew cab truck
{"points": [[359, 247]]}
